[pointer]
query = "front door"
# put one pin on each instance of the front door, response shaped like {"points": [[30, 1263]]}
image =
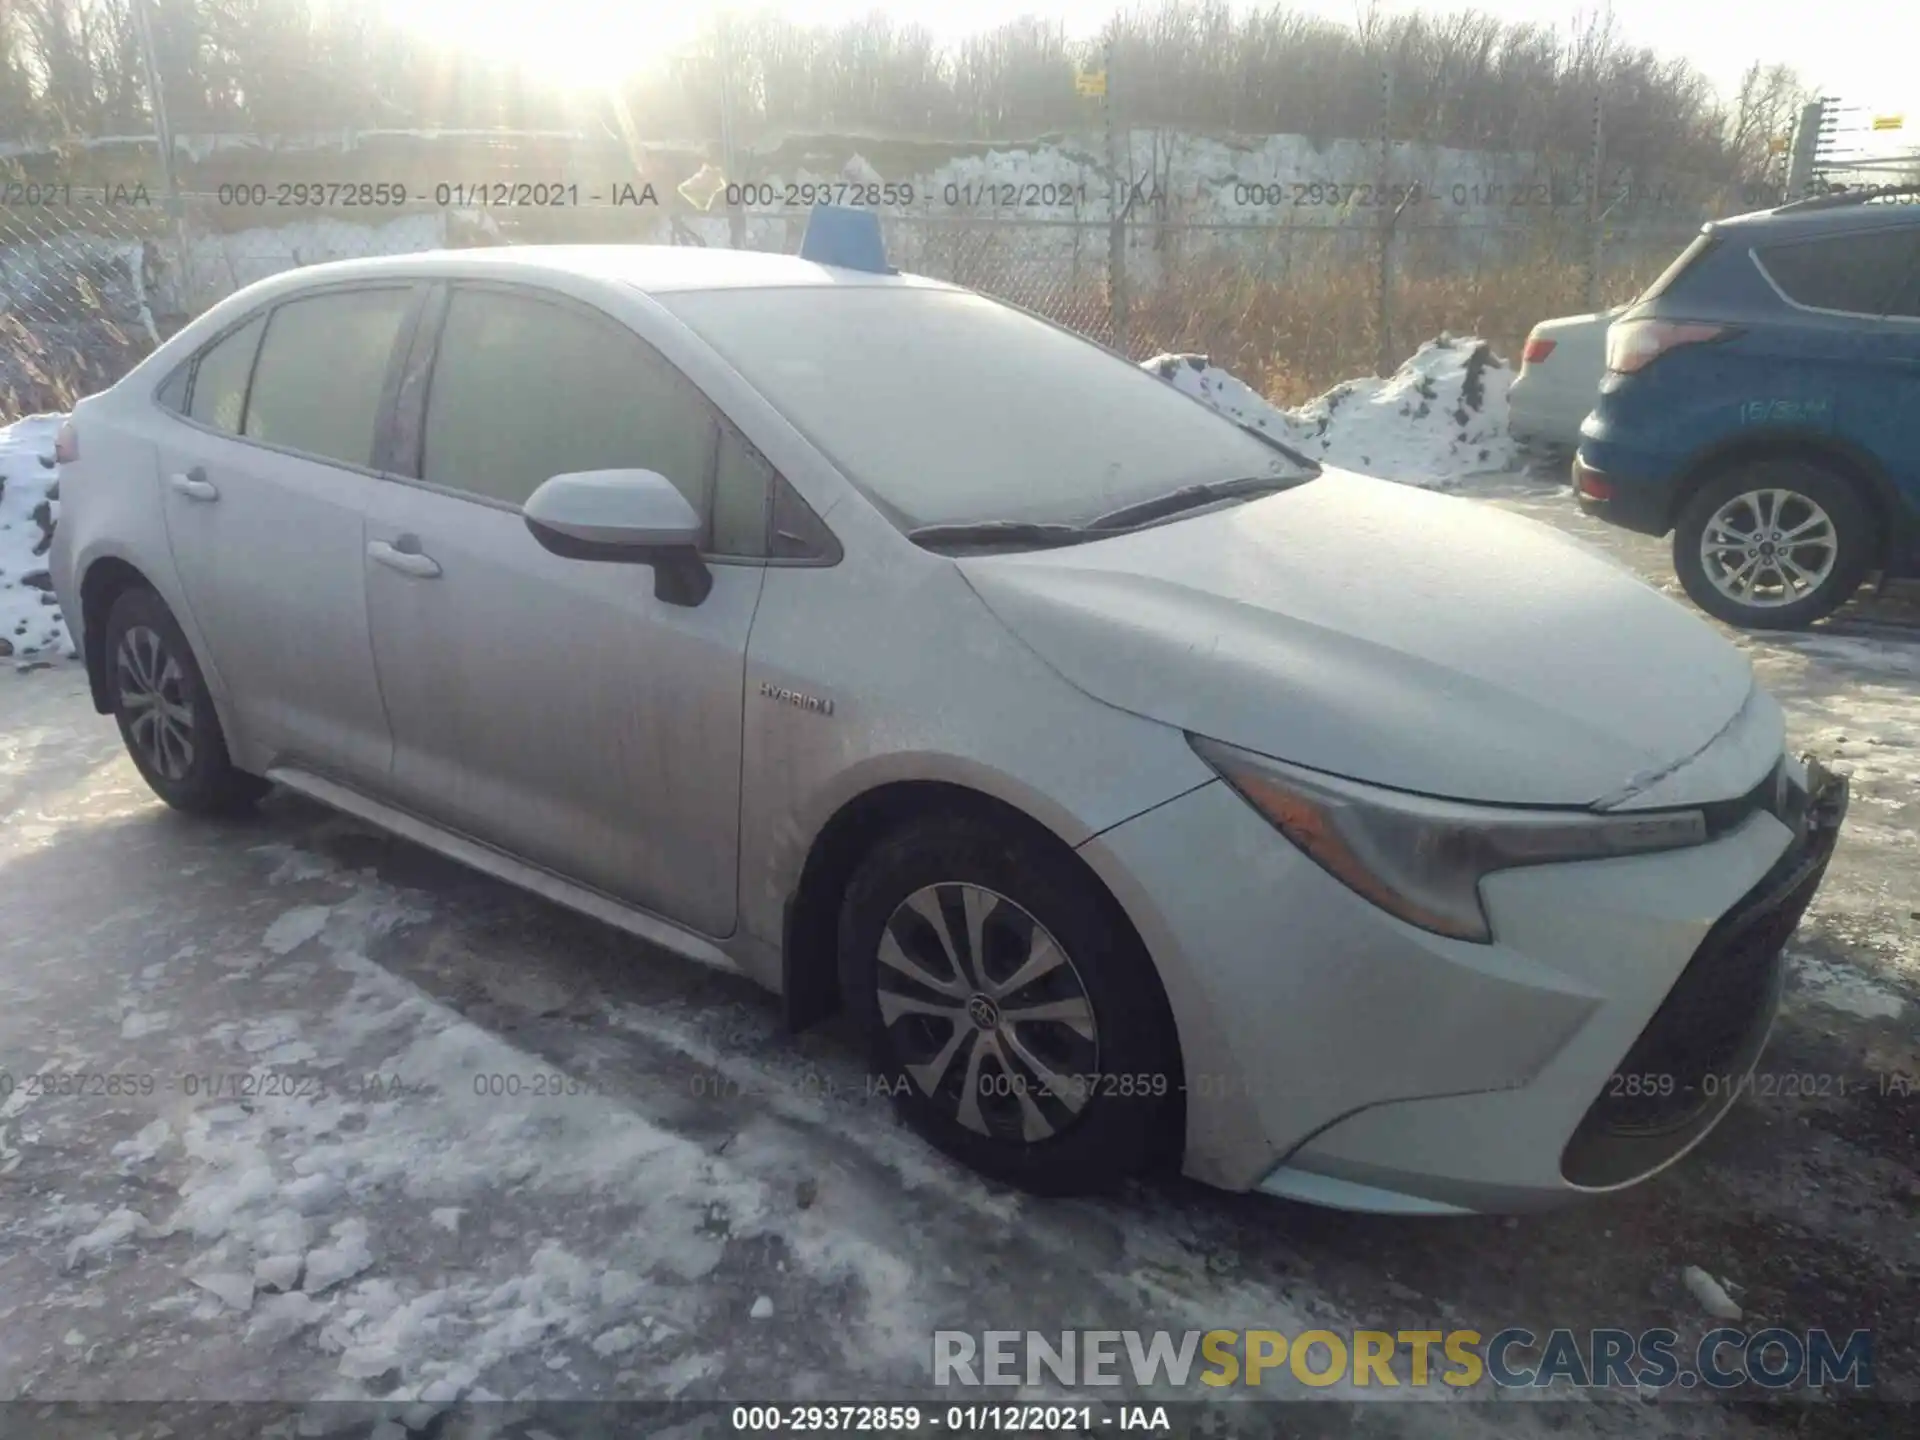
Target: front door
{"points": [[553, 707]]}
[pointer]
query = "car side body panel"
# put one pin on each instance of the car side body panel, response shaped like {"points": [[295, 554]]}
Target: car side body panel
{"points": [[112, 511], [946, 694]]}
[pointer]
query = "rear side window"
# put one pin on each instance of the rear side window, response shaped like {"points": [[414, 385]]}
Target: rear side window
{"points": [[322, 371], [1906, 295], [1859, 274], [220, 378], [524, 389]]}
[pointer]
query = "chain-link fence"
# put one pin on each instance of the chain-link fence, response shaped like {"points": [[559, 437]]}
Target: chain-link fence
{"points": [[91, 279]]}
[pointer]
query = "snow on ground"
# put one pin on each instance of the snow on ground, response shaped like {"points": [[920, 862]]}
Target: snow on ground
{"points": [[1438, 418], [30, 622]]}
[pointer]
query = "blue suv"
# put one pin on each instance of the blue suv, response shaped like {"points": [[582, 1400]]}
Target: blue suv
{"points": [[1762, 402]]}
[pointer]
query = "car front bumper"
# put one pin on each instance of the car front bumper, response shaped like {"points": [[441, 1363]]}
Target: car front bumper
{"points": [[1337, 1055]]}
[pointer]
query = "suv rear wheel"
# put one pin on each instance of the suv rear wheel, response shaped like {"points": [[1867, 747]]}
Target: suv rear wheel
{"points": [[1773, 545]]}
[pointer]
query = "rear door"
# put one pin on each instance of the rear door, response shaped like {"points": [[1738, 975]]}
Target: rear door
{"points": [[553, 707], [1902, 326], [1857, 360], [265, 487]]}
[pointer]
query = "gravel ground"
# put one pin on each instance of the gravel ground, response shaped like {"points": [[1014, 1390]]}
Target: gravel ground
{"points": [[501, 1151]]}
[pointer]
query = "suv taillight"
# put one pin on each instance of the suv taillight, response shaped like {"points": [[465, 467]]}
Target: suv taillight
{"points": [[1536, 351], [66, 444], [1635, 344]]}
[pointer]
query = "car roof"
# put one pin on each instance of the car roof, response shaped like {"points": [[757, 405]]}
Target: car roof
{"points": [[1790, 222], [655, 269]]}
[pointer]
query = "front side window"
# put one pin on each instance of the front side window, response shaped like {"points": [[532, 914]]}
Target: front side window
{"points": [[1859, 274], [322, 370], [946, 408], [524, 389], [220, 377]]}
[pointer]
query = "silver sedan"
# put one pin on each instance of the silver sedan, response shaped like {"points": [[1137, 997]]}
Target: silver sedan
{"points": [[1147, 792]]}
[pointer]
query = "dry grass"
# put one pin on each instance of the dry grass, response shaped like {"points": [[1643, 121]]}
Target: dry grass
{"points": [[50, 365], [1295, 336]]}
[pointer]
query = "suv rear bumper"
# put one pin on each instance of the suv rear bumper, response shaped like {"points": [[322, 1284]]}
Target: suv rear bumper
{"points": [[1618, 495]]}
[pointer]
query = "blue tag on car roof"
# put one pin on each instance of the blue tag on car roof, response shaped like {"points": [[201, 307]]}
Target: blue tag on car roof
{"points": [[841, 235]]}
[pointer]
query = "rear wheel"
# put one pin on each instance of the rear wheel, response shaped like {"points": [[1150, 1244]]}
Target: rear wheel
{"points": [[1773, 545], [1015, 1018], [165, 714]]}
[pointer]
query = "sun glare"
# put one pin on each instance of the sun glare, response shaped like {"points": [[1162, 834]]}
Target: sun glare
{"points": [[579, 43]]}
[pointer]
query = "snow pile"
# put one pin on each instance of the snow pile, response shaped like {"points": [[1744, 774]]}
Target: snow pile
{"points": [[30, 622], [1438, 418]]}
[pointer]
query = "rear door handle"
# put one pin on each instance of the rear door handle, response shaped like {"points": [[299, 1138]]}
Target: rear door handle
{"points": [[194, 485], [407, 562]]}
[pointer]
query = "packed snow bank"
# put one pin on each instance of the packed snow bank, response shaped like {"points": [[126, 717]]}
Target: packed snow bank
{"points": [[1441, 416], [30, 622]]}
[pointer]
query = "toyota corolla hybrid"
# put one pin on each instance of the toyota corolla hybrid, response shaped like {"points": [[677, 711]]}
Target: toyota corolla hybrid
{"points": [[1144, 789]]}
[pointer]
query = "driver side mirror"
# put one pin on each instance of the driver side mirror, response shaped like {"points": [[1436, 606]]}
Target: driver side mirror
{"points": [[627, 517]]}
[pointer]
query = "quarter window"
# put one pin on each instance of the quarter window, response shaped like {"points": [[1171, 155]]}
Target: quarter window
{"points": [[322, 370], [1856, 273], [524, 389], [220, 377], [742, 490]]}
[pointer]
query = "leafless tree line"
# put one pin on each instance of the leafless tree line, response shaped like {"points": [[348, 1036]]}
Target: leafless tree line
{"points": [[74, 67]]}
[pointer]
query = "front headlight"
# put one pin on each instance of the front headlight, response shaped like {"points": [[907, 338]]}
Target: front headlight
{"points": [[1419, 858]]}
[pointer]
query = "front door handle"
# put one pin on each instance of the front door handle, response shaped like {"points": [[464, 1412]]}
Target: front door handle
{"points": [[194, 485], [407, 562]]}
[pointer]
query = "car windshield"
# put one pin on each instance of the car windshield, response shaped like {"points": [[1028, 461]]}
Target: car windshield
{"points": [[948, 409]]}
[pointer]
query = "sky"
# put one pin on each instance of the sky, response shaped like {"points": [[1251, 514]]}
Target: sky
{"points": [[1861, 50]]}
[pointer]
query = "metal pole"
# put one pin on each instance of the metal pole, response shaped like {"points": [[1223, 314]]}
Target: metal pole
{"points": [[1384, 359], [736, 217], [1596, 213], [1117, 209], [1806, 145], [163, 137]]}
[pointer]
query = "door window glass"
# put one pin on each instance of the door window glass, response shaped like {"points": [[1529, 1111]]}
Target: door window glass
{"points": [[220, 378], [524, 389], [322, 370]]}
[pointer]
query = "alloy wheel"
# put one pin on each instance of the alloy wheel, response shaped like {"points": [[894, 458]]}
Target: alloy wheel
{"points": [[1769, 548], [154, 702], [986, 1013]]}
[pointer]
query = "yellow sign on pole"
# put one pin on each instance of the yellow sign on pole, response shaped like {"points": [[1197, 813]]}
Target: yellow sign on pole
{"points": [[1090, 82], [1889, 122]]}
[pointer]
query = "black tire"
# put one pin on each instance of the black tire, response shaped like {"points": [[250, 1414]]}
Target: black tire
{"points": [[1851, 527], [1118, 1107], [146, 653]]}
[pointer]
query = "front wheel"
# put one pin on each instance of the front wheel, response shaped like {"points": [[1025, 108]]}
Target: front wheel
{"points": [[1015, 1019], [1774, 545]]}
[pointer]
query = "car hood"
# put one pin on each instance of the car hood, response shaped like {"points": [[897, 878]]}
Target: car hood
{"points": [[1392, 635]]}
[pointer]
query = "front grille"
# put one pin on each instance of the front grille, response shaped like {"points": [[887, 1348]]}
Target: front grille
{"points": [[1696, 1051]]}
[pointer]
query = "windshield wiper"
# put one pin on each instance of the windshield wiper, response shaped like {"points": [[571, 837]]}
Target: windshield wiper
{"points": [[1189, 497], [1034, 533], [1300, 458]]}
